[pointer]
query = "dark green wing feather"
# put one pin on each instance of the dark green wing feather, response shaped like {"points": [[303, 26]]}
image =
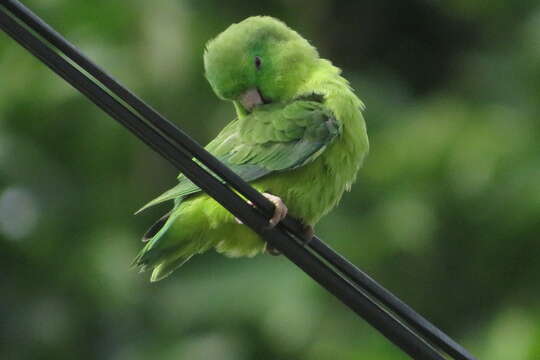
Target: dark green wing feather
{"points": [[271, 139]]}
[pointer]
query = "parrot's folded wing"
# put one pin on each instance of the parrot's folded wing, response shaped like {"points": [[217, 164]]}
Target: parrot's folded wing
{"points": [[273, 139]]}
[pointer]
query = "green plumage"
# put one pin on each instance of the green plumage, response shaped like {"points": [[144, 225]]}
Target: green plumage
{"points": [[305, 144]]}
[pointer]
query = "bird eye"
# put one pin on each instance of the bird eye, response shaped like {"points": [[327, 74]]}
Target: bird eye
{"points": [[258, 62]]}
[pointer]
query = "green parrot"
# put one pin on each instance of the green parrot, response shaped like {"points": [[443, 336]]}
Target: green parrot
{"points": [[299, 138]]}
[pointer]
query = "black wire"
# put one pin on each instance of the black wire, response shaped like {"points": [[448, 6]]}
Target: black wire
{"points": [[349, 295], [389, 300], [177, 136], [167, 128]]}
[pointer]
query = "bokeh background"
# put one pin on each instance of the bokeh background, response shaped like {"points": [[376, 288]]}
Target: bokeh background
{"points": [[446, 211]]}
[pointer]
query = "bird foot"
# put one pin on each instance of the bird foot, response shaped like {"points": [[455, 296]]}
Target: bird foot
{"points": [[280, 211]]}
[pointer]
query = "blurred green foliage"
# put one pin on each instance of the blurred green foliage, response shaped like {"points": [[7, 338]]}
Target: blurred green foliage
{"points": [[446, 211]]}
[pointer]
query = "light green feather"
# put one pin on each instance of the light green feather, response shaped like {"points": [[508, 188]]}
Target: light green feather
{"points": [[272, 138], [305, 146]]}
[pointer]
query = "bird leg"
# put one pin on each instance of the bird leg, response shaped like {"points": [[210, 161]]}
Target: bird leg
{"points": [[280, 211], [279, 214]]}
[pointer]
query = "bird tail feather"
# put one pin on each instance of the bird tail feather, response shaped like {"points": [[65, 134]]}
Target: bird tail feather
{"points": [[165, 250], [164, 269]]}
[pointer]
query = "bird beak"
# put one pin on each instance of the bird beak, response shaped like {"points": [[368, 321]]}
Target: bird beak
{"points": [[250, 99]]}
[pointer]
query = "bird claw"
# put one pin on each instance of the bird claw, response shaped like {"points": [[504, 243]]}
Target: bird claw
{"points": [[280, 211]]}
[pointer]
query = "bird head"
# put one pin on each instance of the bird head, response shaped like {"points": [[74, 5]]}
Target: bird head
{"points": [[259, 60]]}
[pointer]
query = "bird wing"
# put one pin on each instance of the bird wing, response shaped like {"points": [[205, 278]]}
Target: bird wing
{"points": [[272, 139]]}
